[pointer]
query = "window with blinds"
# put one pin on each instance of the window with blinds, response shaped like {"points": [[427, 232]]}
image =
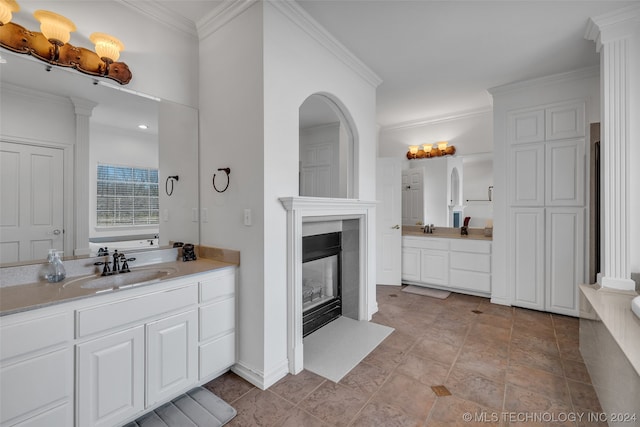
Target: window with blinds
{"points": [[127, 196]]}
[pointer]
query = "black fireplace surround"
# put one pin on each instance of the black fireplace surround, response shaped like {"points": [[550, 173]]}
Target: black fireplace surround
{"points": [[314, 248]]}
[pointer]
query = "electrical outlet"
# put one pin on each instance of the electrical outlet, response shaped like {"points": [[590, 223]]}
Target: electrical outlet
{"points": [[247, 217], [205, 215]]}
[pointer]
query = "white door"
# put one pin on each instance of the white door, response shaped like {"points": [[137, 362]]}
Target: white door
{"points": [[172, 358], [31, 201], [388, 214], [110, 372], [527, 257]]}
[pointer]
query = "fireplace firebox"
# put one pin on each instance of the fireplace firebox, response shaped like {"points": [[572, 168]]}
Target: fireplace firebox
{"points": [[321, 280]]}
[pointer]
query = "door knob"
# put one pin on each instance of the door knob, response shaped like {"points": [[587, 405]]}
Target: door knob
{"points": [[56, 232], [396, 227]]}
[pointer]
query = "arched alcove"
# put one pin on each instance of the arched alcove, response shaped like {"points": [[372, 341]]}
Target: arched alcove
{"points": [[327, 146]]}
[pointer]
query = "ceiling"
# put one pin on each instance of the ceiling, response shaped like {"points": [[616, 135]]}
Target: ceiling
{"points": [[438, 58]]}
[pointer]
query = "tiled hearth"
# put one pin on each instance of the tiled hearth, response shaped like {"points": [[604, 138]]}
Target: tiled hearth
{"points": [[502, 359]]}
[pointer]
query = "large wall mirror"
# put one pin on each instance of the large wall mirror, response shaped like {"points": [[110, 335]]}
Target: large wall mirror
{"points": [[131, 199]]}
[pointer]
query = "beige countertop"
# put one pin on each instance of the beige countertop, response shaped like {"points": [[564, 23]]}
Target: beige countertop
{"points": [[614, 310], [29, 296], [446, 233]]}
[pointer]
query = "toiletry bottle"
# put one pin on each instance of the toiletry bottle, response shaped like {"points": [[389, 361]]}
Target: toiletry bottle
{"points": [[55, 269]]}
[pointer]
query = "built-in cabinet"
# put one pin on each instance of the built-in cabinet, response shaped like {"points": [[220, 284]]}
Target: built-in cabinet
{"points": [[462, 265], [134, 350], [546, 208]]}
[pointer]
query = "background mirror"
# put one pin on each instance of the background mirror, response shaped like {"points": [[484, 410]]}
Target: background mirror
{"points": [[435, 189], [129, 204]]}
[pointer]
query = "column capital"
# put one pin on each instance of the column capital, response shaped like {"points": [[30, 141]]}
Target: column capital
{"points": [[614, 25], [83, 107]]}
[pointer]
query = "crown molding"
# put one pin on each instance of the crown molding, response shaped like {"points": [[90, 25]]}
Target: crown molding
{"points": [[582, 73], [300, 17], [438, 119], [595, 25], [220, 16], [163, 15], [37, 95]]}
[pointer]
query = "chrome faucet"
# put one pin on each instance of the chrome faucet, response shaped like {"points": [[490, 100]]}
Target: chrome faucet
{"points": [[116, 261], [429, 228]]}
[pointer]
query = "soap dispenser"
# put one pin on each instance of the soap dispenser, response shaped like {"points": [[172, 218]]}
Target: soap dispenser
{"points": [[55, 270]]}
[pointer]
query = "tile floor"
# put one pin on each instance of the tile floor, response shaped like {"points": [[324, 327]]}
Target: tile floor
{"points": [[502, 365]]}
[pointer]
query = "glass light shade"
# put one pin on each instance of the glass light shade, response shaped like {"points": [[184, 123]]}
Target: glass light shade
{"points": [[413, 149], [427, 148], [442, 145], [54, 27], [107, 46], [7, 7]]}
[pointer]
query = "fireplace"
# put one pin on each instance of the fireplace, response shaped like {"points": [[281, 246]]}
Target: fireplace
{"points": [[308, 216], [321, 280]]}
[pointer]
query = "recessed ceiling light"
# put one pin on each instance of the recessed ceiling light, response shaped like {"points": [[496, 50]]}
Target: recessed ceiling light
{"points": [[143, 126]]}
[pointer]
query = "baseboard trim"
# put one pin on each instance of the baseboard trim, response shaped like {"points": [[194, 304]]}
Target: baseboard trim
{"points": [[260, 379]]}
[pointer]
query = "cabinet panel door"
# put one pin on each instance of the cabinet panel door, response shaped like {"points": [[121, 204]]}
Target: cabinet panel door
{"points": [[172, 359], [565, 259], [411, 264], [33, 385], [565, 121], [564, 165], [527, 257], [110, 378], [526, 170], [526, 126], [434, 267]]}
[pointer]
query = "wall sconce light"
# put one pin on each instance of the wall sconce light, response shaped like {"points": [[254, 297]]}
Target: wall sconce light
{"points": [[52, 44], [7, 7], [441, 148]]}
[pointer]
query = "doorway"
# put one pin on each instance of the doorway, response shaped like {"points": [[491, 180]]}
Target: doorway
{"points": [[32, 194]]}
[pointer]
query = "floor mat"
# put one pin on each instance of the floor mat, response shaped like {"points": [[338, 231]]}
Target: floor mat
{"points": [[335, 349], [196, 408], [428, 292]]}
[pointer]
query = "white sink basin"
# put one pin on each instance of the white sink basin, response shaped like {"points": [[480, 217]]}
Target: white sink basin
{"points": [[120, 280], [635, 306]]}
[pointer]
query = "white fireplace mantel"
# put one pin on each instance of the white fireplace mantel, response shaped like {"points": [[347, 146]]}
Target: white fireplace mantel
{"points": [[310, 209]]}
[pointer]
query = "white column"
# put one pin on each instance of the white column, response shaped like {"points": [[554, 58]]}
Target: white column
{"points": [[83, 110], [617, 36]]}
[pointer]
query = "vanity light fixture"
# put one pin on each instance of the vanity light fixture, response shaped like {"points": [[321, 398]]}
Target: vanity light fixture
{"points": [[438, 149], [7, 7], [56, 28], [51, 45]]}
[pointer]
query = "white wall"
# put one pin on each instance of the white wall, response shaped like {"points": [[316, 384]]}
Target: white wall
{"points": [[470, 132], [163, 60], [256, 72], [557, 88]]}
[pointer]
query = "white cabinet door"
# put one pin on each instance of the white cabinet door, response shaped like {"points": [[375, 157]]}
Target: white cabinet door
{"points": [[411, 264], [434, 268], [565, 121], [527, 257], [172, 359], [564, 173], [527, 175], [526, 126], [110, 378], [565, 259]]}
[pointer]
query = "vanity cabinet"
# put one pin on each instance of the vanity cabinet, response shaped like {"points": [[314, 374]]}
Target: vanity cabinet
{"points": [[460, 265], [36, 369], [105, 360]]}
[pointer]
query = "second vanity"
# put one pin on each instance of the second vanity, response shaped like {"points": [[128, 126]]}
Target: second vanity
{"points": [[446, 260], [103, 358]]}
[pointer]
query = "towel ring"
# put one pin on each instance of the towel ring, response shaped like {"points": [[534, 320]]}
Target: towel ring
{"points": [[166, 184], [213, 181]]}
